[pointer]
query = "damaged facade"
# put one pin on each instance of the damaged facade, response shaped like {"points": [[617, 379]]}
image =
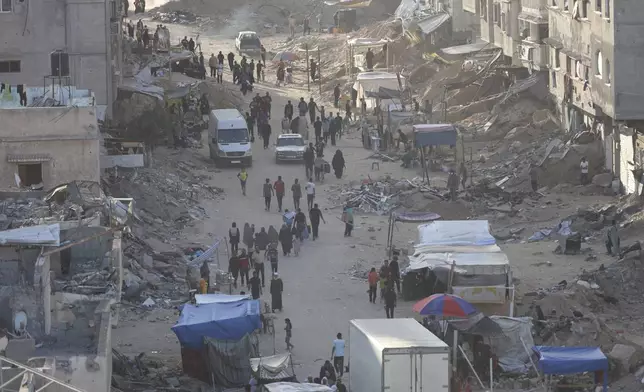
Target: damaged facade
{"points": [[87, 32], [41, 147]]}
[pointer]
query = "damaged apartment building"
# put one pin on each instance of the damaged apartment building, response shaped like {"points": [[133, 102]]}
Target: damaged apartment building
{"points": [[61, 277], [587, 53], [68, 43]]}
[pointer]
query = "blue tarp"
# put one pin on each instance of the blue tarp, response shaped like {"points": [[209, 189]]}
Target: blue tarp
{"points": [[223, 321], [568, 360]]}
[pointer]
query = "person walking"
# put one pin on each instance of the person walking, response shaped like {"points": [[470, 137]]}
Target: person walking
{"points": [[260, 72], [347, 218], [234, 237], [309, 161], [266, 134], [243, 176], [333, 128], [310, 193], [248, 236], [338, 164], [300, 224], [373, 279], [583, 166], [288, 111], [220, 73], [289, 334], [204, 273], [463, 173], [337, 353], [259, 267], [268, 194], [312, 106], [347, 109], [394, 273], [279, 188], [231, 60], [272, 256], [255, 286], [244, 266], [336, 96], [233, 268], [296, 190], [390, 302], [212, 63], [315, 215], [317, 125], [452, 184], [286, 239], [277, 288], [302, 107]]}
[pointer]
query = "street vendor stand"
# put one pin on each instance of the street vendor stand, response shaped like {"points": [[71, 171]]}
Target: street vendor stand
{"points": [[406, 217], [434, 135], [570, 360]]}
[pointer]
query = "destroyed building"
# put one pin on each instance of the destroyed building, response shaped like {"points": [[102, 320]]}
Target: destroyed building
{"points": [[61, 277], [51, 142]]}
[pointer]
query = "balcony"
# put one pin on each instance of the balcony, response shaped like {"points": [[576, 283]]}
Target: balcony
{"points": [[533, 55]]}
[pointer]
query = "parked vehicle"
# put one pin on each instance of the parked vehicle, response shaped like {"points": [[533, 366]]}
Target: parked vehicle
{"points": [[387, 355], [228, 137]]}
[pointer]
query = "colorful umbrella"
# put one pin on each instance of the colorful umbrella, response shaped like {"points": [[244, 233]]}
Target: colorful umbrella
{"points": [[445, 305], [286, 56]]}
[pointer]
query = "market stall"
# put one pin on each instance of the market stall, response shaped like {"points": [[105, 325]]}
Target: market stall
{"points": [[571, 360], [273, 368]]}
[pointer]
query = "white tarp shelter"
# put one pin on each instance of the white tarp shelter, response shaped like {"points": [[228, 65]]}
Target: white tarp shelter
{"points": [[48, 235], [481, 271], [204, 299], [296, 387], [373, 81]]}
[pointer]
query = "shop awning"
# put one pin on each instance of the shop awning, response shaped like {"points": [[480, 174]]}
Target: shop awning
{"points": [[435, 135]]}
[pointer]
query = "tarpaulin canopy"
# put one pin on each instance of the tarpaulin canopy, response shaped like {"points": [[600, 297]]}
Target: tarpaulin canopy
{"points": [[223, 321], [432, 23], [455, 232], [273, 368], [475, 263], [229, 361], [411, 216], [48, 235], [508, 347], [569, 360], [296, 387], [349, 3], [478, 324], [204, 299], [366, 42], [435, 135]]}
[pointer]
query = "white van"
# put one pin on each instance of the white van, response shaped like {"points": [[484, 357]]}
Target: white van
{"points": [[228, 137]]}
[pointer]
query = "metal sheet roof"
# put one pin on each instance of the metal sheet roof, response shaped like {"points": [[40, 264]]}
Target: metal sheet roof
{"points": [[431, 24]]}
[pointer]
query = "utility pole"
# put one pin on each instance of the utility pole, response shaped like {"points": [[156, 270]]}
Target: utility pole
{"points": [[319, 71], [308, 73]]}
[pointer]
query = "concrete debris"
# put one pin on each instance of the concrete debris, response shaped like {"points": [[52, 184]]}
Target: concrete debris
{"points": [[179, 17], [604, 179], [148, 303]]}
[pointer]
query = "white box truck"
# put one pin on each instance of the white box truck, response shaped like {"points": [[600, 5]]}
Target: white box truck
{"points": [[396, 355]]}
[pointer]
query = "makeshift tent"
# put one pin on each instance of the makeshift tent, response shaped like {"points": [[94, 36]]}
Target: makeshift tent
{"points": [[204, 299], [406, 217], [273, 368], [454, 232], [295, 387], [229, 361], [509, 347], [223, 321], [369, 83], [435, 135], [479, 324], [569, 360]]}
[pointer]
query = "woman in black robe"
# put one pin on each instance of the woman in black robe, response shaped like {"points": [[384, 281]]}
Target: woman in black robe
{"points": [[338, 163], [286, 239], [273, 235], [248, 237], [261, 239], [277, 287]]}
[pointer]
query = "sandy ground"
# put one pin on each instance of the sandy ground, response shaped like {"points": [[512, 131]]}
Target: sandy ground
{"points": [[320, 295]]}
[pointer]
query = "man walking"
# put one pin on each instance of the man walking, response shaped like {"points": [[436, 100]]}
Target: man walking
{"points": [[452, 184], [336, 96], [310, 193], [583, 166], [255, 286], [390, 302], [212, 63], [231, 60], [317, 125], [312, 108], [315, 215], [243, 176], [296, 189], [266, 133], [268, 193], [279, 192], [309, 161], [233, 235], [337, 353], [394, 273], [288, 111]]}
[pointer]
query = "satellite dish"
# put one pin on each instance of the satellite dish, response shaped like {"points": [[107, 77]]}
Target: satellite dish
{"points": [[20, 323]]}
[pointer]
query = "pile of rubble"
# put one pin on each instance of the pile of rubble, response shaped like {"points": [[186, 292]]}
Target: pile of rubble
{"points": [[177, 17]]}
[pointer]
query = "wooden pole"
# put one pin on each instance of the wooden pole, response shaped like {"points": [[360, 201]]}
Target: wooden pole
{"points": [[319, 71], [308, 73]]}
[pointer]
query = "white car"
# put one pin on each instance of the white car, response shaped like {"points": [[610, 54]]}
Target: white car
{"points": [[289, 147]]}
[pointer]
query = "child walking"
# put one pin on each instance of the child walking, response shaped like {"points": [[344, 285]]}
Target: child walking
{"points": [[289, 334]]}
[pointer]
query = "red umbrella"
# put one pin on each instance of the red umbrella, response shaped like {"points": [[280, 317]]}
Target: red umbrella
{"points": [[444, 305]]}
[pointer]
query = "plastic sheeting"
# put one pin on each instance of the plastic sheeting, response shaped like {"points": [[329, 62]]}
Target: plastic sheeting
{"points": [[223, 321], [273, 368], [435, 135], [204, 299], [296, 387], [509, 348], [48, 235], [229, 361], [454, 232], [432, 23], [569, 360], [411, 216], [476, 263]]}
